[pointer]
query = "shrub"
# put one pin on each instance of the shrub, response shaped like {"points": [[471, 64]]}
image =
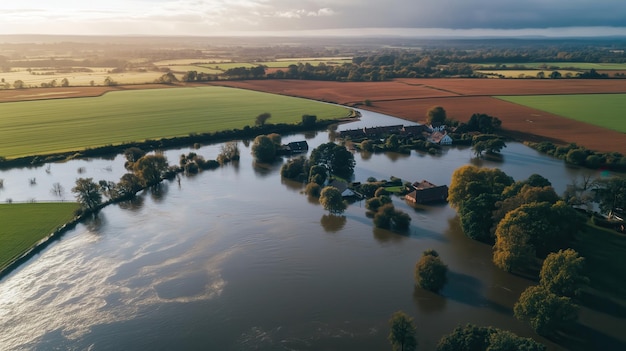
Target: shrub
{"points": [[430, 271], [313, 189]]}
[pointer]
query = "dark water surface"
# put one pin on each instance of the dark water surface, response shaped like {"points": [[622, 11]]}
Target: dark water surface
{"points": [[238, 259]]}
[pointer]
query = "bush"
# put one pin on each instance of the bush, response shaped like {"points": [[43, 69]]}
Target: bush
{"points": [[430, 271], [313, 189]]}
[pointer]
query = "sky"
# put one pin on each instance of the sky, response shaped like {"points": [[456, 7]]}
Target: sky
{"points": [[315, 17]]}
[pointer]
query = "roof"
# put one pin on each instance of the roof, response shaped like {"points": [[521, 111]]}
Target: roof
{"points": [[426, 191]]}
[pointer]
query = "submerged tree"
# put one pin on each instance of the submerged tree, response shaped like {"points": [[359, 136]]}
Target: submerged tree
{"points": [[150, 168], [264, 149], [562, 273], [87, 193], [331, 199], [545, 311], [430, 272], [402, 333]]}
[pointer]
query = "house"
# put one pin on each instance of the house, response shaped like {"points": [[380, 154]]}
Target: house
{"points": [[298, 146], [352, 134], [426, 192], [343, 188], [437, 127], [416, 130], [440, 138]]}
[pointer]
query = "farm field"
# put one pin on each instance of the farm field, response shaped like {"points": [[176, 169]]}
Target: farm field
{"points": [[605, 110], [411, 98], [80, 78], [23, 225], [50, 126]]}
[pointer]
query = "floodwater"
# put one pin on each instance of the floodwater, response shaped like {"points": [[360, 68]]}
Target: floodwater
{"points": [[239, 259]]}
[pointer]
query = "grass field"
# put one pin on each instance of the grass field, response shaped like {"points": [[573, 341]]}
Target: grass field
{"points": [[50, 126], [23, 225], [605, 261], [200, 69], [82, 78], [604, 110], [576, 65]]}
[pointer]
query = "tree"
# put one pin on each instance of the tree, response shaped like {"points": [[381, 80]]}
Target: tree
{"points": [[436, 115], [474, 338], [317, 174], [489, 143], [331, 199], [313, 189], [309, 120], [128, 185], [562, 273], [470, 181], [57, 189], [264, 149], [402, 333], [190, 76], [133, 154], [504, 340], [262, 118], [87, 193], [392, 143], [336, 158], [150, 168], [430, 271], [18, 84], [544, 310], [65, 82], [480, 122], [108, 81], [295, 168]]}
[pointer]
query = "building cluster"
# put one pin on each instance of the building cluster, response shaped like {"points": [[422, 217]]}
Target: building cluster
{"points": [[436, 134]]}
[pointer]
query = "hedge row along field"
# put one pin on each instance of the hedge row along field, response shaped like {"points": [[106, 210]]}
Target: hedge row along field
{"points": [[51, 126], [23, 225], [604, 110]]}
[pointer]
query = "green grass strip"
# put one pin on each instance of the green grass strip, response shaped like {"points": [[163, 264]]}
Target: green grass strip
{"points": [[605, 262], [604, 110], [23, 225], [52, 126]]}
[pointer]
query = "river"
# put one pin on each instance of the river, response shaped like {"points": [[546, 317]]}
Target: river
{"points": [[239, 259]]}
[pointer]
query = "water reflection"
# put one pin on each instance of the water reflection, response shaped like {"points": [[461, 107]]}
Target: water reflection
{"points": [[135, 204], [159, 191], [333, 223], [428, 302]]}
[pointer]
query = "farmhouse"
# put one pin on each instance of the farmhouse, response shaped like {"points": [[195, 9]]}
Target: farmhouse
{"points": [[298, 146], [440, 138], [426, 192]]}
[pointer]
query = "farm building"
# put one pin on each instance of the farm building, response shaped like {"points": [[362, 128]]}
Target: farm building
{"points": [[298, 146], [440, 138], [426, 192]]}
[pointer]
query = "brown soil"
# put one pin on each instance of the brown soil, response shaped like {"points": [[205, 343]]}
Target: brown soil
{"points": [[411, 98]]}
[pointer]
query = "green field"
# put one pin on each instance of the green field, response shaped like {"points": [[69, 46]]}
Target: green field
{"points": [[200, 69], [576, 65], [51, 126], [604, 110], [23, 225], [603, 250]]}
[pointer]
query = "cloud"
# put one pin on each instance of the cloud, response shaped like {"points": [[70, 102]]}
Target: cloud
{"points": [[224, 16]]}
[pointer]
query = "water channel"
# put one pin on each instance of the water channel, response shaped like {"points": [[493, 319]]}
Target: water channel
{"points": [[239, 259]]}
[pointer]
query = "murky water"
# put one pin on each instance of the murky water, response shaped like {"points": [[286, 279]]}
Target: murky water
{"points": [[238, 259]]}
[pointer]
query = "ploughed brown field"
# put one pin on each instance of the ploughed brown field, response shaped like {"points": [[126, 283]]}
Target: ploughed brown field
{"points": [[411, 98]]}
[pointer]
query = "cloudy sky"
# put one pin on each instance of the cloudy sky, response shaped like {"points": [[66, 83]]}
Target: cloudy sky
{"points": [[315, 17]]}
